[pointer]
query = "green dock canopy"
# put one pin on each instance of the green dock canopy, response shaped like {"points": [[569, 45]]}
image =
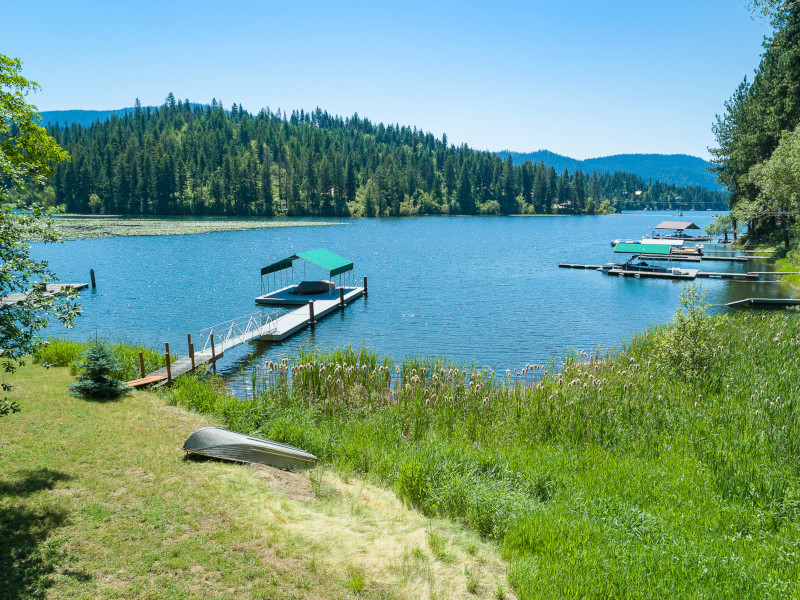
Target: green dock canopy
{"points": [[327, 260], [642, 249], [320, 257]]}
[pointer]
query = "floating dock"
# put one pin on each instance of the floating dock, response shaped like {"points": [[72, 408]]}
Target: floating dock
{"points": [[50, 290], [739, 259], [673, 274], [681, 273], [316, 300], [286, 297], [300, 318], [730, 276], [764, 303]]}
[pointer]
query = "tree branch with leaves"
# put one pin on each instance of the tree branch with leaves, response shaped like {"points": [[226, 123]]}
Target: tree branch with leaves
{"points": [[28, 157]]}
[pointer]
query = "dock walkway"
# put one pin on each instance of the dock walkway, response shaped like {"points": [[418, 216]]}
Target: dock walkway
{"points": [[51, 290], [215, 340], [300, 318]]}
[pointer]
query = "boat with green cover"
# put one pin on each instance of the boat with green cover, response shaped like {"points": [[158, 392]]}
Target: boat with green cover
{"points": [[229, 445]]}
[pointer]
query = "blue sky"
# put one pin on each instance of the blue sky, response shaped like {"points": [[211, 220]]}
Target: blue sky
{"points": [[580, 78]]}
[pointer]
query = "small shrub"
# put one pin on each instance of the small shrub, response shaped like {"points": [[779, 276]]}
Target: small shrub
{"points": [[97, 381], [688, 337]]}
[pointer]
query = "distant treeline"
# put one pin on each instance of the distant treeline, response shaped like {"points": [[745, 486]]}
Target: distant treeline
{"points": [[187, 159]]}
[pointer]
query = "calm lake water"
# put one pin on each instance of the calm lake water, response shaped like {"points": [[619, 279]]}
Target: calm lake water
{"points": [[482, 290]]}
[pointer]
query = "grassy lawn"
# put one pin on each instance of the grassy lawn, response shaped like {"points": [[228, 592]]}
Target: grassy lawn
{"points": [[98, 500]]}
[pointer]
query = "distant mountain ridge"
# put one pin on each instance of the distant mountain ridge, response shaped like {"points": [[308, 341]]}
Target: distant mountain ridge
{"points": [[84, 118], [678, 169]]}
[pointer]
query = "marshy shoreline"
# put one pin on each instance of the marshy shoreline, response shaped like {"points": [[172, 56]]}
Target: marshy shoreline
{"points": [[667, 469], [84, 227]]}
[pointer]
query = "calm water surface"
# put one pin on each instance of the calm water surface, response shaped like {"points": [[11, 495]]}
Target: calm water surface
{"points": [[482, 290]]}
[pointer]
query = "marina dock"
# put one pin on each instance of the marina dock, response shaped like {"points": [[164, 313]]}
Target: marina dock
{"points": [[258, 327], [300, 318], [682, 273], [764, 303], [731, 276], [315, 300], [673, 274]]}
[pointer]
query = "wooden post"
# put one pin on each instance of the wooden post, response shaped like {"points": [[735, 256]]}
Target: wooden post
{"points": [[213, 353], [341, 297], [91, 276], [169, 371], [191, 353], [189, 341], [141, 363], [311, 312], [365, 285]]}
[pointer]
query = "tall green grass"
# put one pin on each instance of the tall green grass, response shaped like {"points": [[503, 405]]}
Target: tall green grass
{"points": [[63, 352], [627, 475]]}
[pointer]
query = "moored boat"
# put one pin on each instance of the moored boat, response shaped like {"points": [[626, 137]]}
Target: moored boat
{"points": [[229, 445]]}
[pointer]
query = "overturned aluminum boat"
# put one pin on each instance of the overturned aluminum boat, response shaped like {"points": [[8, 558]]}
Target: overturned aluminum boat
{"points": [[229, 445]]}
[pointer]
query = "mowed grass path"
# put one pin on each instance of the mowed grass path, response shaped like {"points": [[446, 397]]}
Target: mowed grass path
{"points": [[97, 500]]}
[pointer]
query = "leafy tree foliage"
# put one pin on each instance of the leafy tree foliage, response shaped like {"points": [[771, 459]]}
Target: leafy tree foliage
{"points": [[722, 225], [756, 120], [27, 156], [778, 182], [188, 159]]}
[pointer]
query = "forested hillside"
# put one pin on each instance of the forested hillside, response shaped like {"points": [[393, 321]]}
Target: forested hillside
{"points": [[183, 158], [679, 169]]}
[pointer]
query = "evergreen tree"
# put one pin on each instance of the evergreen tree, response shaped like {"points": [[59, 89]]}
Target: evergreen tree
{"points": [[465, 200], [96, 380]]}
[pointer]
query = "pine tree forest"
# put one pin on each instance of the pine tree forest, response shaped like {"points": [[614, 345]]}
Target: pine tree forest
{"points": [[189, 159]]}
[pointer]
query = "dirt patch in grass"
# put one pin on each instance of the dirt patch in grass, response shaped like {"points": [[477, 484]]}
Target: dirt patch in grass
{"points": [[296, 486]]}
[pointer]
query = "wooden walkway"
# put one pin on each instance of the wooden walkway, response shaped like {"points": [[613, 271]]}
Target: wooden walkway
{"points": [[51, 290], [257, 327]]}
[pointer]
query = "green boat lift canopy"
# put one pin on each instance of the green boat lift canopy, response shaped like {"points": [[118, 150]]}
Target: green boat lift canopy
{"points": [[642, 248], [326, 259]]}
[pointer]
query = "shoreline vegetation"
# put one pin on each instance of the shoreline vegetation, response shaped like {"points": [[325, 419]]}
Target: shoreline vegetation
{"points": [[73, 227], [667, 468], [97, 500]]}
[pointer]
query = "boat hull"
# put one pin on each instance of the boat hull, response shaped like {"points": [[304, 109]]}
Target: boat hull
{"points": [[229, 445]]}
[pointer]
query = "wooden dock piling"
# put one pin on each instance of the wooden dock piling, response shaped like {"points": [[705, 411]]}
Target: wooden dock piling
{"points": [[365, 285], [191, 354], [94, 285], [311, 320], [141, 364], [341, 298], [169, 371], [213, 354]]}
